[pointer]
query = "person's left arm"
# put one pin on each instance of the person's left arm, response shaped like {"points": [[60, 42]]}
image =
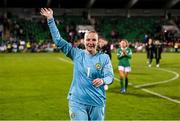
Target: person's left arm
{"points": [[108, 74]]}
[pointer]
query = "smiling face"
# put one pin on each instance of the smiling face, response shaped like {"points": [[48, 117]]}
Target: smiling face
{"points": [[123, 44], [91, 42]]}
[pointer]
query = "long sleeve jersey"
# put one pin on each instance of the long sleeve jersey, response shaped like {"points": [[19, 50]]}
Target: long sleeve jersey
{"points": [[124, 59], [87, 67]]}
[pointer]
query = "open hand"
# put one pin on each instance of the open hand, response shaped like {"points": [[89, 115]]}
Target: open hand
{"points": [[47, 12]]}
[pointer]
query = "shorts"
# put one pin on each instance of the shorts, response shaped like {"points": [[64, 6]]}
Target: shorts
{"points": [[78, 111], [125, 69]]}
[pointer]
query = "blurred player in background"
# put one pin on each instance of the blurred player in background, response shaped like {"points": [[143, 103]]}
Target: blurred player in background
{"points": [[157, 51], [92, 70], [124, 54], [104, 47], [150, 51]]}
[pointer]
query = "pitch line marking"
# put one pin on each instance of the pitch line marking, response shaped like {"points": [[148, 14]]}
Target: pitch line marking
{"points": [[145, 90], [154, 93], [160, 82]]}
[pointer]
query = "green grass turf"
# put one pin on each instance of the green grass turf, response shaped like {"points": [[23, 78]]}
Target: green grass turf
{"points": [[35, 87]]}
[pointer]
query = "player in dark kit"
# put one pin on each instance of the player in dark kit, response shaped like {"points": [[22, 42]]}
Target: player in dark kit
{"points": [[150, 51], [157, 52], [104, 46]]}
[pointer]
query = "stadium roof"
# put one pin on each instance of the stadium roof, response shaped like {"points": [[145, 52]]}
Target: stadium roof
{"points": [[104, 4]]}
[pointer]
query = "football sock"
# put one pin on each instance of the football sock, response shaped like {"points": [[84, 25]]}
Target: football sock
{"points": [[122, 82], [126, 83]]}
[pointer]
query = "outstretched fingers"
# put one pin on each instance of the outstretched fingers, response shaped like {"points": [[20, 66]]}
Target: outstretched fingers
{"points": [[50, 9], [42, 12], [47, 12]]}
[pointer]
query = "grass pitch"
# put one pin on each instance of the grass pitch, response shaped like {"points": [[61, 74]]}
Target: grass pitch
{"points": [[35, 87]]}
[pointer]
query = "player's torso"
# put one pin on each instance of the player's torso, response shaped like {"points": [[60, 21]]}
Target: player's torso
{"points": [[87, 67], [124, 61]]}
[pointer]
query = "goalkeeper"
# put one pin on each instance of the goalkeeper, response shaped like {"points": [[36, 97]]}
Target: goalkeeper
{"points": [[92, 70]]}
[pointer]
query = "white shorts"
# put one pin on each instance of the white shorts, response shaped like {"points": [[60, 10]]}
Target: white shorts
{"points": [[125, 69]]}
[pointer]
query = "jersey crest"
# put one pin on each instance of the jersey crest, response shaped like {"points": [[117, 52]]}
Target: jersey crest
{"points": [[98, 66]]}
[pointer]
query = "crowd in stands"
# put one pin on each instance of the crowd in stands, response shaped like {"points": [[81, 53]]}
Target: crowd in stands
{"points": [[22, 35]]}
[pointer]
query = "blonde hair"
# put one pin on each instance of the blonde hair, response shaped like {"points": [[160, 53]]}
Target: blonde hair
{"points": [[87, 33], [125, 40]]}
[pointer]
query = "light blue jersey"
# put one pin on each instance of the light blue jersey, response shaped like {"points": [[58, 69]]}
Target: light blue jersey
{"points": [[86, 68]]}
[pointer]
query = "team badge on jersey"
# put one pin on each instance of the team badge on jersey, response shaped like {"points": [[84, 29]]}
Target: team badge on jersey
{"points": [[98, 66]]}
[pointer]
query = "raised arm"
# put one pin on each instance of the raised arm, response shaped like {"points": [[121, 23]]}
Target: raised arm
{"points": [[65, 47]]}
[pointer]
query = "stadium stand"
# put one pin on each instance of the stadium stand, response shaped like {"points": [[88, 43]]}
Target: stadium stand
{"points": [[132, 21]]}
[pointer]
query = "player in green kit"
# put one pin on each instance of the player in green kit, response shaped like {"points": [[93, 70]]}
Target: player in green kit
{"points": [[124, 54]]}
